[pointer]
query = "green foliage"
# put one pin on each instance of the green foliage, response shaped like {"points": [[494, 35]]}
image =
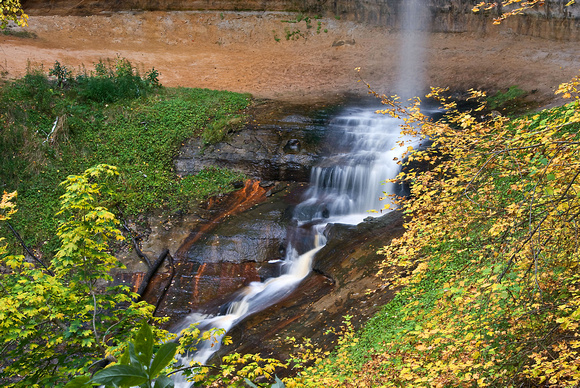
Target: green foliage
{"points": [[295, 32], [59, 322], [147, 365], [500, 99], [208, 182], [114, 83], [139, 365], [83, 256], [218, 129], [62, 73], [19, 34], [237, 371], [50, 130], [488, 261], [37, 89], [277, 384], [152, 77], [55, 327]]}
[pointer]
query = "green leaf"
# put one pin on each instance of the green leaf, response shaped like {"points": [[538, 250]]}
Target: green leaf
{"points": [[78, 382], [120, 375], [144, 344], [162, 358], [125, 359], [134, 360], [163, 382]]}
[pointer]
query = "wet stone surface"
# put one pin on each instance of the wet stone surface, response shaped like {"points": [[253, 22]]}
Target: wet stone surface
{"points": [[256, 235], [343, 271], [227, 254]]}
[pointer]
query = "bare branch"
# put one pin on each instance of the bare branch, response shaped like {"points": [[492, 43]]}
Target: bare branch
{"points": [[23, 244], [140, 253]]}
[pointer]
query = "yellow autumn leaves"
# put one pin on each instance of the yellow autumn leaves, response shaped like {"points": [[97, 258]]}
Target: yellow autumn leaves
{"points": [[7, 206]]}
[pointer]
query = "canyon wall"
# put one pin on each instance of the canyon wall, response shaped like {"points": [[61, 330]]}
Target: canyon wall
{"points": [[552, 21]]}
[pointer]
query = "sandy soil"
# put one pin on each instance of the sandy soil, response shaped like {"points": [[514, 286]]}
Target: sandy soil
{"points": [[239, 52]]}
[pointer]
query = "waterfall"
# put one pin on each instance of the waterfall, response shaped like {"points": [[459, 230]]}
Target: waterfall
{"points": [[343, 189], [415, 23]]}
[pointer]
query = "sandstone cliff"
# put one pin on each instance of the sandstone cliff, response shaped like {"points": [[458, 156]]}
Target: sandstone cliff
{"points": [[552, 21]]}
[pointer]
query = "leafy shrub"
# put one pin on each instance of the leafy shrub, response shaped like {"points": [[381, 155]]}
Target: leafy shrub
{"points": [[19, 34], [139, 365], [109, 84], [36, 87], [488, 259], [61, 73], [152, 77], [47, 309]]}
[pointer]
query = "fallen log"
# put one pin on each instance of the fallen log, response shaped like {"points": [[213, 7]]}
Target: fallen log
{"points": [[167, 285], [151, 272], [25, 247]]}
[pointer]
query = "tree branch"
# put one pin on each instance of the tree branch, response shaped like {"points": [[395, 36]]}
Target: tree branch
{"points": [[191, 367], [15, 233], [94, 322], [140, 253], [533, 232]]}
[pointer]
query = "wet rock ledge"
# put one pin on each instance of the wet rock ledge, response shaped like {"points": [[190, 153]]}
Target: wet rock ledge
{"points": [[280, 143], [343, 271]]}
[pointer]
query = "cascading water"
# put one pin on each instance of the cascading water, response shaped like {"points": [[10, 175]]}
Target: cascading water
{"points": [[343, 189]]}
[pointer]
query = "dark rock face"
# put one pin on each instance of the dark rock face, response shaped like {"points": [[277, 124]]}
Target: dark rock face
{"points": [[292, 146], [282, 146], [199, 284], [343, 271], [256, 235], [192, 283], [258, 152], [237, 246]]}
